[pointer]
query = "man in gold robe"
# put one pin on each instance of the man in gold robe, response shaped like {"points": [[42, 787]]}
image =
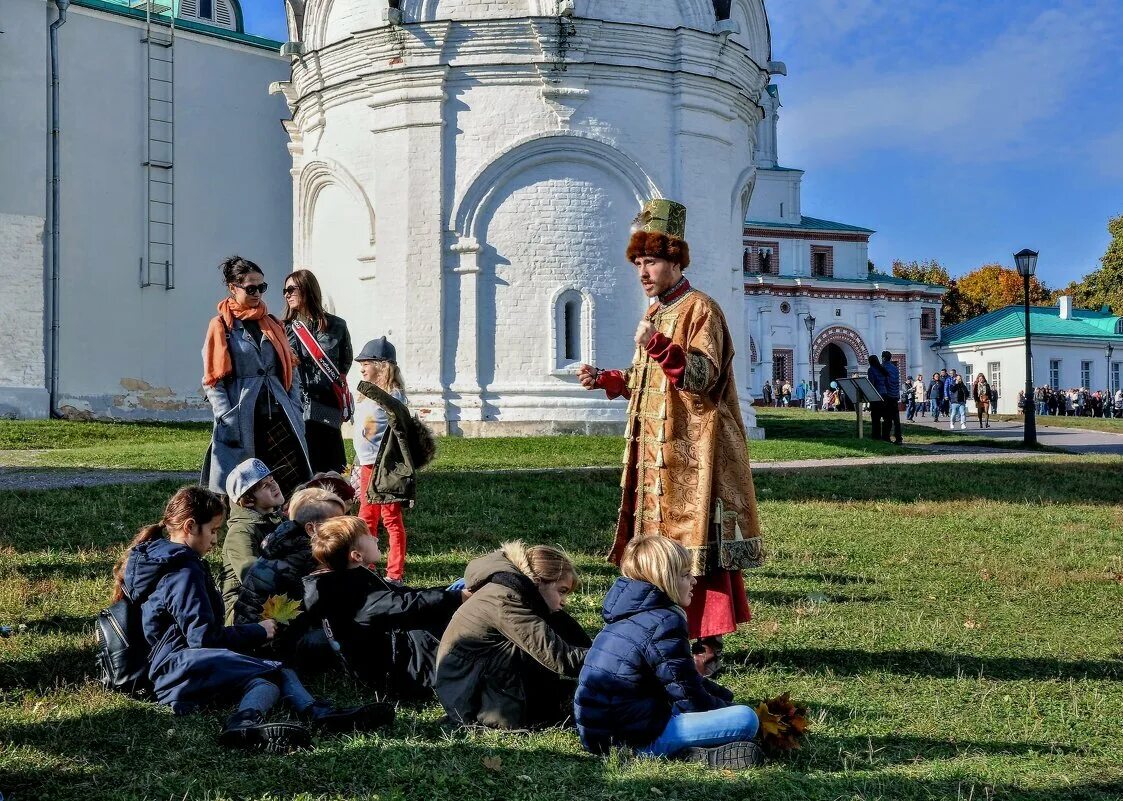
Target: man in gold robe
{"points": [[686, 464]]}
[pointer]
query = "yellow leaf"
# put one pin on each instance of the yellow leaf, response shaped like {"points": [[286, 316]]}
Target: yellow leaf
{"points": [[280, 609], [770, 725], [493, 763]]}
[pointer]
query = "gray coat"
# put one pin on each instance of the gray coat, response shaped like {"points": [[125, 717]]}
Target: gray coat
{"points": [[233, 400]]}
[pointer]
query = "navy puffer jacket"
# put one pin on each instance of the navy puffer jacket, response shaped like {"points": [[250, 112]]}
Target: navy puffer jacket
{"points": [[194, 656], [639, 671]]}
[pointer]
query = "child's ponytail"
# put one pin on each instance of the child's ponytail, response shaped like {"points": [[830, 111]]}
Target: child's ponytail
{"points": [[195, 504]]}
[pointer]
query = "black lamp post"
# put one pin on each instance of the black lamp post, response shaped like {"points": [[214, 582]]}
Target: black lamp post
{"points": [[1110, 349], [1026, 260], [810, 323]]}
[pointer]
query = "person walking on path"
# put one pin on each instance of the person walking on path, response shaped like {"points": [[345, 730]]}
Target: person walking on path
{"points": [[920, 399], [957, 399], [766, 394], [322, 345], [687, 475], [251, 381], [936, 396], [981, 394]]}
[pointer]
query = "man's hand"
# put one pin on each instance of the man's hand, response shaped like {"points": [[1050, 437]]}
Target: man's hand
{"points": [[465, 594], [644, 332], [587, 375]]}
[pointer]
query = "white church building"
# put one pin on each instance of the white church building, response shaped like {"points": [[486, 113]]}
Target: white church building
{"points": [[813, 310], [461, 175]]}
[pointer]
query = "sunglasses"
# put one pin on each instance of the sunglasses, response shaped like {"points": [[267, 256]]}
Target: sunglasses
{"points": [[253, 289], [290, 290]]}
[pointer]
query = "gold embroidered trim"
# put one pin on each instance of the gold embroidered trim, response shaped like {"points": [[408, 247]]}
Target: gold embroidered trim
{"points": [[698, 376]]}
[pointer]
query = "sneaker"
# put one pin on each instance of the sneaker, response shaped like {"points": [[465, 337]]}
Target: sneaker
{"points": [[248, 730], [951, 426], [962, 426], [327, 717], [740, 755]]}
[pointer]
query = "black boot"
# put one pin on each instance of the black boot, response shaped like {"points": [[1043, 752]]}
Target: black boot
{"points": [[740, 755], [327, 717], [248, 729]]}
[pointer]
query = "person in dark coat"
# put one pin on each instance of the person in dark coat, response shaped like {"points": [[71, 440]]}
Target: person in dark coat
{"points": [[509, 657], [321, 401], [252, 384], [387, 633], [936, 396], [194, 659], [640, 687], [892, 409], [878, 414]]}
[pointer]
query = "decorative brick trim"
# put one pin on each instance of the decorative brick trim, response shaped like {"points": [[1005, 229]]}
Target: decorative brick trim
{"points": [[903, 296], [827, 252], [751, 258], [824, 236], [847, 336], [788, 356]]}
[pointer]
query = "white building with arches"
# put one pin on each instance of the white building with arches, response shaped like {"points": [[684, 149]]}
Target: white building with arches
{"points": [[465, 173]]}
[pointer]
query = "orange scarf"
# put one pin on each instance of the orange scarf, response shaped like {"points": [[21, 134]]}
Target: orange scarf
{"points": [[217, 363]]}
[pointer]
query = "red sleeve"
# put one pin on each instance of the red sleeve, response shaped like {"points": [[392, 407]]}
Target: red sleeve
{"points": [[671, 357], [613, 383]]}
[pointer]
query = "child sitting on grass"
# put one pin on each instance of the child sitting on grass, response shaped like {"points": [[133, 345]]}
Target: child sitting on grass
{"points": [[388, 633], [194, 658], [640, 687], [256, 504], [510, 654], [286, 558]]}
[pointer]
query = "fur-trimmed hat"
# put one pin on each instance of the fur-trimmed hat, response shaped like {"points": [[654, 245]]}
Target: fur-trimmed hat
{"points": [[659, 231]]}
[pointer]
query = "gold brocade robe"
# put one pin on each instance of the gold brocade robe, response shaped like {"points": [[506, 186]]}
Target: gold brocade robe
{"points": [[686, 453]]}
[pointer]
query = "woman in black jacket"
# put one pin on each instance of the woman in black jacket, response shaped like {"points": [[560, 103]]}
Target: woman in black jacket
{"points": [[936, 396], [323, 404]]}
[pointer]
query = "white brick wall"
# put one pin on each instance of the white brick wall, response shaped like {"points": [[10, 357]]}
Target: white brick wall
{"points": [[21, 276], [498, 180]]}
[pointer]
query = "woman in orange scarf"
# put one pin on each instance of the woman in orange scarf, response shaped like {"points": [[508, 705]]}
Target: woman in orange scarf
{"points": [[250, 382]]}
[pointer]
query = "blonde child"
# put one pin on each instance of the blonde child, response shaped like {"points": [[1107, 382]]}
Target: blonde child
{"points": [[639, 687], [385, 485]]}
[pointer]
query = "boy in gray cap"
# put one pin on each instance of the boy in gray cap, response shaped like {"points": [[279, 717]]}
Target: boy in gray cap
{"points": [[256, 504]]}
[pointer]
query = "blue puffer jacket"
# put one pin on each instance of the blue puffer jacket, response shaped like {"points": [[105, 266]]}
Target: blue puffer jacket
{"points": [[193, 657], [639, 671]]}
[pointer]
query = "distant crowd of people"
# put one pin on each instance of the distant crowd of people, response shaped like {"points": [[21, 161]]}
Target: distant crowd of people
{"points": [[1075, 402]]}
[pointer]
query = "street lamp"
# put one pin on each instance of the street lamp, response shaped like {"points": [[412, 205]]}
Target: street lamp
{"points": [[1110, 349], [1026, 260], [810, 323]]}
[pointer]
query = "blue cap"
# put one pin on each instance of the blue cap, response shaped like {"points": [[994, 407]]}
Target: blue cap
{"points": [[244, 476]]}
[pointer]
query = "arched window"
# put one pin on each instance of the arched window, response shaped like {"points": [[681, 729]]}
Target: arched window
{"points": [[220, 13], [571, 327]]}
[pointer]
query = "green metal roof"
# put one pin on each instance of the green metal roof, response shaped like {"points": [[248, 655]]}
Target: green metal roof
{"points": [[874, 278], [811, 224], [124, 8], [1009, 323]]}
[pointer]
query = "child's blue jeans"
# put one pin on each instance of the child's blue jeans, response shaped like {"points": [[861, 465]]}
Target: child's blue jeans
{"points": [[704, 729]]}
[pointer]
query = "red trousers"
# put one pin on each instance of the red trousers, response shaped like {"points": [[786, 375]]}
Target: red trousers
{"points": [[390, 515]]}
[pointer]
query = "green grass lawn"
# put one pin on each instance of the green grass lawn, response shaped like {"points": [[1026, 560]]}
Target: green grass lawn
{"points": [[790, 434], [954, 631]]}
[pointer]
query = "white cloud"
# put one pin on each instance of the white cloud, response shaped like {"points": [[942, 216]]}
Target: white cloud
{"points": [[1001, 101]]}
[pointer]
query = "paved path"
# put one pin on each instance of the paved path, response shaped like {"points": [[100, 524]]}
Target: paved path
{"points": [[1073, 440], [1078, 441]]}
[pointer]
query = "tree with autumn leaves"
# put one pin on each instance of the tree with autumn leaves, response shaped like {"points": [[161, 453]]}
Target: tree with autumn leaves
{"points": [[994, 286]]}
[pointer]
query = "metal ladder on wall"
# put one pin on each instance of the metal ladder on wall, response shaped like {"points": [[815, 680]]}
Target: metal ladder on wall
{"points": [[157, 265]]}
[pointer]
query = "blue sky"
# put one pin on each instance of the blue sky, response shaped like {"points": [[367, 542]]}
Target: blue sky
{"points": [[961, 130]]}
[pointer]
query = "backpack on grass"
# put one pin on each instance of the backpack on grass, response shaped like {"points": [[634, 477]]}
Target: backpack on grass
{"points": [[122, 651]]}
